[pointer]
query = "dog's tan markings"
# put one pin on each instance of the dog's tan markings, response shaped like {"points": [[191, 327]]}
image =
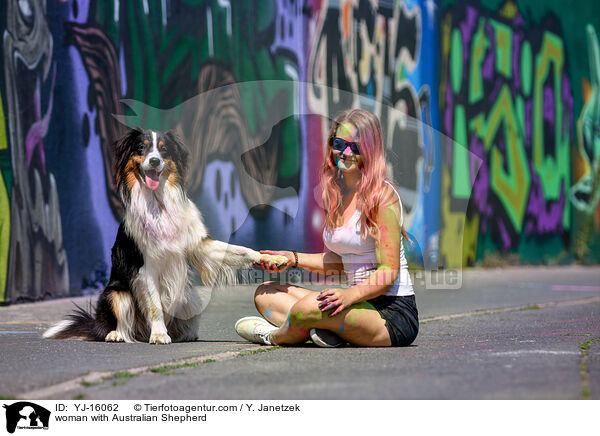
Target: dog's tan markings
{"points": [[123, 308], [115, 300], [146, 142], [161, 144], [131, 170], [173, 177]]}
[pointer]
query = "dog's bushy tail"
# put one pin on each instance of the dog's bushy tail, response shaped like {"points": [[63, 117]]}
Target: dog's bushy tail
{"points": [[81, 324]]}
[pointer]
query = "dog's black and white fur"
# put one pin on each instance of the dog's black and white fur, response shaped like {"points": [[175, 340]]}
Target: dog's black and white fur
{"points": [[149, 296]]}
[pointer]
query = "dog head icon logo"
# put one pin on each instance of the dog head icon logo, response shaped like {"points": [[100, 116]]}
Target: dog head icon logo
{"points": [[26, 415]]}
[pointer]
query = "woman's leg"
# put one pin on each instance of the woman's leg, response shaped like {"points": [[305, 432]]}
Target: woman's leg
{"points": [[360, 324], [274, 300]]}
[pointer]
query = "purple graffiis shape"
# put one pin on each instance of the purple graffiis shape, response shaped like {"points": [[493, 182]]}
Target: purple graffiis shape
{"points": [[488, 62], [549, 104], [38, 129], [466, 30], [504, 235], [518, 21], [567, 98], [516, 53], [476, 147], [546, 220], [487, 70], [481, 182]]}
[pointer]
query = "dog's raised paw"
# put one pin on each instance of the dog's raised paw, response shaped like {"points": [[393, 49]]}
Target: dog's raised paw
{"points": [[114, 336], [160, 338], [276, 259]]}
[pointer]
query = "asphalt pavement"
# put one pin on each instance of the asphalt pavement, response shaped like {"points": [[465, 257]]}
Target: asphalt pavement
{"points": [[510, 333]]}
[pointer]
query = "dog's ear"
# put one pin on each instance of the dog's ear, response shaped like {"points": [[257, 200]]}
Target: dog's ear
{"points": [[179, 152], [123, 147]]}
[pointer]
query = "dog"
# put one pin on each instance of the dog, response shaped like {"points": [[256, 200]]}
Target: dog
{"points": [[149, 297]]}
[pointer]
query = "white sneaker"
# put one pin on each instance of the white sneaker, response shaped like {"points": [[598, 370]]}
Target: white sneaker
{"points": [[255, 329], [325, 338]]}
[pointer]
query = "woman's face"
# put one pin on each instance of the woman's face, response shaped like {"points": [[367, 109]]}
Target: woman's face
{"points": [[346, 160]]}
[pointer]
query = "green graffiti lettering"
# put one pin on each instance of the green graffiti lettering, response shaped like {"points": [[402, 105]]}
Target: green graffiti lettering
{"points": [[461, 179], [456, 61], [478, 49], [552, 170], [511, 186], [503, 35], [526, 68]]}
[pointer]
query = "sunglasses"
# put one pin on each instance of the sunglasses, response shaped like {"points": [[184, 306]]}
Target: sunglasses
{"points": [[340, 144]]}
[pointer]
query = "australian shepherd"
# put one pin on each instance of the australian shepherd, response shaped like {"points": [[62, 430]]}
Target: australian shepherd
{"points": [[149, 296]]}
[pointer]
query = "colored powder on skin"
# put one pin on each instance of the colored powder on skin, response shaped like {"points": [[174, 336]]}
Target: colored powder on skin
{"points": [[300, 316], [348, 130], [304, 332], [317, 314], [353, 316], [268, 313], [352, 319], [289, 328], [341, 329], [286, 325]]}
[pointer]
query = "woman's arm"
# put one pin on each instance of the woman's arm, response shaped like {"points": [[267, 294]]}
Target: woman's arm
{"points": [[327, 263], [388, 265], [323, 263]]}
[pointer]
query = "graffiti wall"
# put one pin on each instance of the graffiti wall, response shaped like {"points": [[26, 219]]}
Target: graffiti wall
{"points": [[490, 113], [384, 55], [68, 66], [507, 98]]}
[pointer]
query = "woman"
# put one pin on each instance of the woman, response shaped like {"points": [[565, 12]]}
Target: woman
{"points": [[363, 235]]}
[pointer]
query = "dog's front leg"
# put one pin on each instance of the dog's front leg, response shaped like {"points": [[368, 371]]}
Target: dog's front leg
{"points": [[147, 293], [236, 255]]}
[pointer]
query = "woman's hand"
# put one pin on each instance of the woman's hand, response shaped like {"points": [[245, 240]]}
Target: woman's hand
{"points": [[271, 267], [334, 299]]}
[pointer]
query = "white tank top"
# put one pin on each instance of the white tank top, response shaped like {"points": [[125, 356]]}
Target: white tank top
{"points": [[358, 254]]}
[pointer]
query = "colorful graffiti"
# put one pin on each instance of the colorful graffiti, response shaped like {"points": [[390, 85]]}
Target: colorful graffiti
{"points": [[37, 261], [171, 63], [506, 99], [373, 51], [85, 58], [252, 88]]}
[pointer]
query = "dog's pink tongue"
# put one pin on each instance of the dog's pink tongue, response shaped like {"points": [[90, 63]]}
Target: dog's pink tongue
{"points": [[152, 181]]}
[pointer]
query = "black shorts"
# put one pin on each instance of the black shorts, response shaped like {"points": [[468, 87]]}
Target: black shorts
{"points": [[401, 317]]}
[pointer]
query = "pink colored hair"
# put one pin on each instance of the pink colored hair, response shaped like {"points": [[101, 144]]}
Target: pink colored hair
{"points": [[372, 192]]}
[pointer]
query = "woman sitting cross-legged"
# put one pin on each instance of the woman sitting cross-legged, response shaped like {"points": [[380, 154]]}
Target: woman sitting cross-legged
{"points": [[363, 235]]}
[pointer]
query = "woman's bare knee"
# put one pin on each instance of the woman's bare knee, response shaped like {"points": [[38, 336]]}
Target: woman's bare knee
{"points": [[263, 294], [264, 288], [306, 312]]}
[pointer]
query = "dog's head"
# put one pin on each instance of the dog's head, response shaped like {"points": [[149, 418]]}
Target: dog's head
{"points": [[149, 158]]}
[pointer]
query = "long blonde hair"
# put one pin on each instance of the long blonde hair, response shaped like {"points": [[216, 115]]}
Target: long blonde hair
{"points": [[371, 192]]}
